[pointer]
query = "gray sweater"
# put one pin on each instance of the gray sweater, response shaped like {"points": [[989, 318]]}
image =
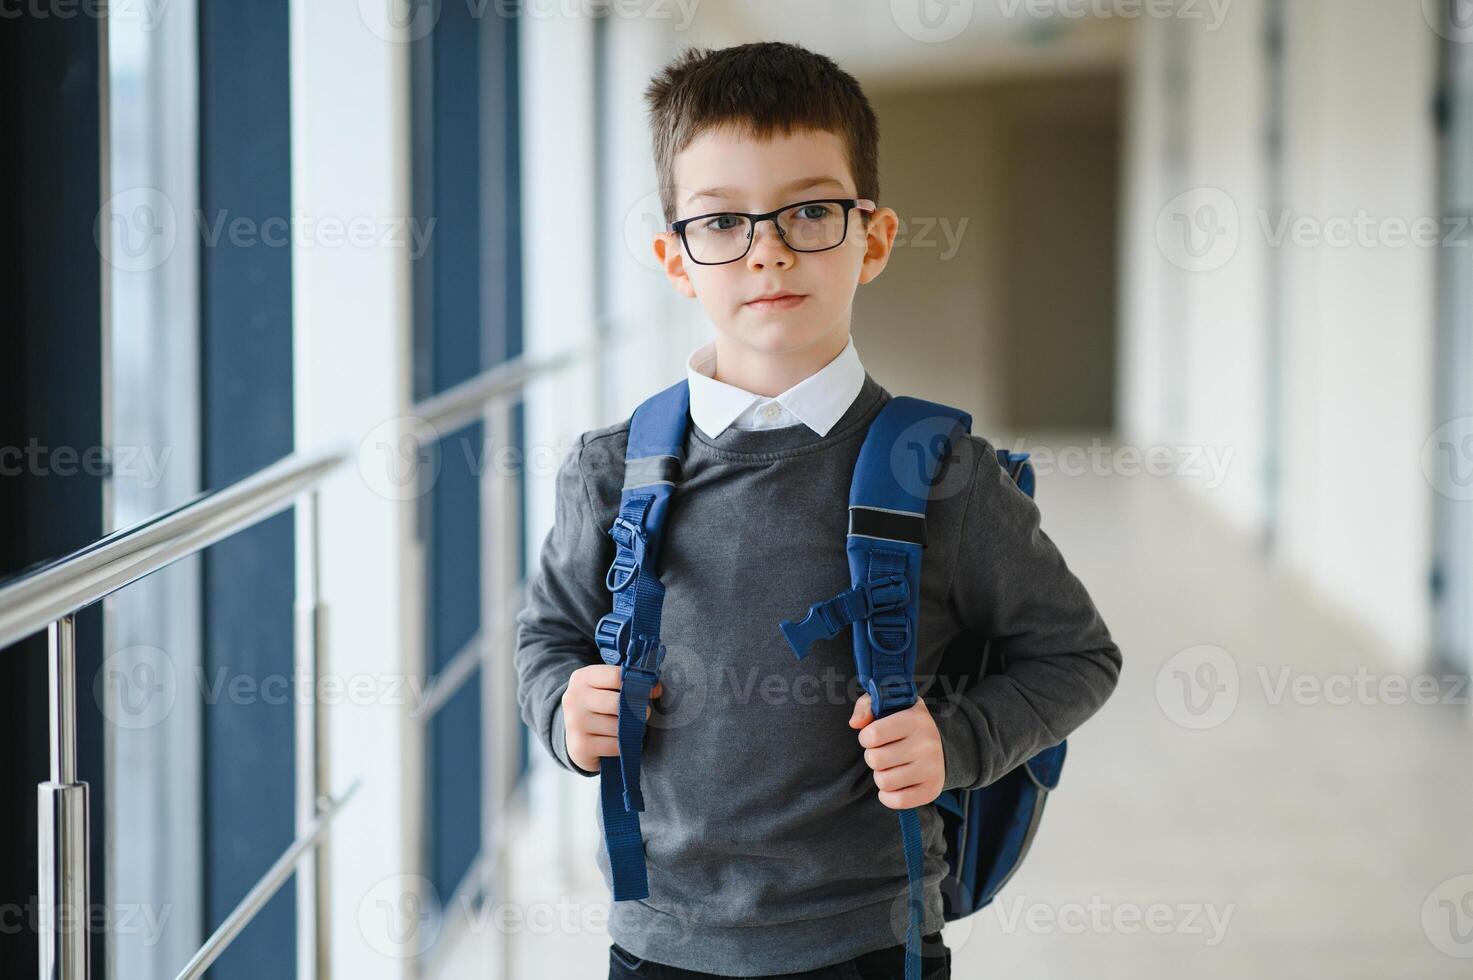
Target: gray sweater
{"points": [[767, 846]]}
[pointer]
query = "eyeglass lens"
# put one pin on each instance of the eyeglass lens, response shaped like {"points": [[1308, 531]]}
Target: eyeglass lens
{"points": [[805, 228]]}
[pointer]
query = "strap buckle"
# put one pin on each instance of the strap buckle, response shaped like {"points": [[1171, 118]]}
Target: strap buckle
{"points": [[640, 655], [878, 598], [885, 594], [824, 620], [631, 540], [888, 599], [612, 636], [891, 693], [646, 657]]}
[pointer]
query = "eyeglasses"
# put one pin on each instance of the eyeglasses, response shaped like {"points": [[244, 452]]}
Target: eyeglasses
{"points": [[808, 226]]}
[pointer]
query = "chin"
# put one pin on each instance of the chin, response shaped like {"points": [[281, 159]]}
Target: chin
{"points": [[775, 334]]}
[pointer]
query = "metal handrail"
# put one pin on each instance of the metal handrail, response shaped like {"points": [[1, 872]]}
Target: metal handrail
{"points": [[268, 885], [464, 403], [41, 595], [463, 665], [47, 597], [64, 585]]}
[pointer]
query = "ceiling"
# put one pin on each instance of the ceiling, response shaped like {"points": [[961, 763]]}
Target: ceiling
{"points": [[887, 46]]}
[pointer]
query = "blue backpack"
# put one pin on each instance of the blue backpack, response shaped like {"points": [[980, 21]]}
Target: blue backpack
{"points": [[988, 830]]}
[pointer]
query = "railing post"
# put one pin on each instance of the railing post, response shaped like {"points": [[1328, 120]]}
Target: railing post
{"points": [[62, 850], [500, 718], [312, 931]]}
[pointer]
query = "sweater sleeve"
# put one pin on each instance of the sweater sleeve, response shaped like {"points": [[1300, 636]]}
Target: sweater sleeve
{"points": [[565, 600], [1010, 583]]}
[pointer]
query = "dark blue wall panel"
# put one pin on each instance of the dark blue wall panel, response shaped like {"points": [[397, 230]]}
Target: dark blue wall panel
{"points": [[246, 347], [50, 407], [467, 318]]}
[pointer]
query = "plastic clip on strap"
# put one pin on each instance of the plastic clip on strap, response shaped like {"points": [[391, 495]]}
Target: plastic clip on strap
{"points": [[879, 599], [640, 673], [629, 638]]}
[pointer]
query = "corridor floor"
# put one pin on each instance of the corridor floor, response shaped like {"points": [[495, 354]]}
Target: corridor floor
{"points": [[1230, 813]]}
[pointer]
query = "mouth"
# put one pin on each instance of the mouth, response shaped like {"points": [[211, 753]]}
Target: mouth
{"points": [[776, 301]]}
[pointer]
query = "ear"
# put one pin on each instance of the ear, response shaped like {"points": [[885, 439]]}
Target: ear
{"points": [[879, 242], [672, 259]]}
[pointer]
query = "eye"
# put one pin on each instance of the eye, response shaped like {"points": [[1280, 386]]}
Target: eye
{"points": [[815, 212], [722, 222]]}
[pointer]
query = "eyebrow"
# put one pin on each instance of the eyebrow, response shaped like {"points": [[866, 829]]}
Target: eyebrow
{"points": [[797, 185]]}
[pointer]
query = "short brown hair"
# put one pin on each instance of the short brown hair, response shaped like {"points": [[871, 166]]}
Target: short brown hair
{"points": [[765, 87]]}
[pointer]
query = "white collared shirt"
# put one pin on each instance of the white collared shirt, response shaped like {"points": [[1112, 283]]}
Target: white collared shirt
{"points": [[818, 401]]}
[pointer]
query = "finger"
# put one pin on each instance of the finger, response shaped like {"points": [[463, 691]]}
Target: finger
{"points": [[603, 676], [898, 777], [902, 800], [884, 730], [886, 756], [861, 715], [598, 724], [602, 746], [602, 702]]}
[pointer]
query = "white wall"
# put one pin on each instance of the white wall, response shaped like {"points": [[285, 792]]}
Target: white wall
{"points": [[1192, 354], [350, 157], [1357, 510], [1223, 371], [1141, 356], [1358, 320]]}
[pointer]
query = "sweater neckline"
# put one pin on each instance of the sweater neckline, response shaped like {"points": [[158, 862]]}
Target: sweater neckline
{"points": [[797, 439]]}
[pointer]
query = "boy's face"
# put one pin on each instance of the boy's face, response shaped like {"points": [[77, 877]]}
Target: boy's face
{"points": [[727, 170]]}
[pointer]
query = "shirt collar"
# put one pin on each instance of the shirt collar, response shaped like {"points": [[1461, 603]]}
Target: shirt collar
{"points": [[818, 401]]}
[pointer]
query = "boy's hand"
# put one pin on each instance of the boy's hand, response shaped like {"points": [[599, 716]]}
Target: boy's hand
{"points": [[591, 714], [904, 750]]}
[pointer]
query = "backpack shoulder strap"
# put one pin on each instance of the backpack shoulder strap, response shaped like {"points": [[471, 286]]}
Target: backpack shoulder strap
{"points": [[903, 456], [901, 459], [629, 636]]}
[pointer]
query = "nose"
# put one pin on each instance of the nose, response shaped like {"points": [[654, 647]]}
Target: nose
{"points": [[768, 248]]}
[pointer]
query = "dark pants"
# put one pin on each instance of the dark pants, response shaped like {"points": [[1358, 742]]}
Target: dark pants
{"points": [[879, 964]]}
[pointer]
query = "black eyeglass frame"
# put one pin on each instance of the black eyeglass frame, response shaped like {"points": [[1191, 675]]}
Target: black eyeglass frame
{"points": [[849, 203]]}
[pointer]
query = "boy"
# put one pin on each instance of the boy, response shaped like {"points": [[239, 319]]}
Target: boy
{"points": [[770, 829]]}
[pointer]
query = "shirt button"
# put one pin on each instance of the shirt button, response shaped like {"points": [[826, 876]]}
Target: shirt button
{"points": [[770, 410]]}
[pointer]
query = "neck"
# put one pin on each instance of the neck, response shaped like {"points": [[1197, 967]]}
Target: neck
{"points": [[770, 373]]}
